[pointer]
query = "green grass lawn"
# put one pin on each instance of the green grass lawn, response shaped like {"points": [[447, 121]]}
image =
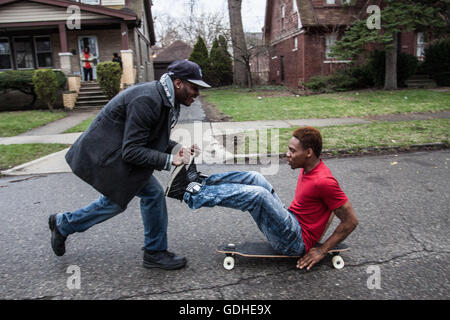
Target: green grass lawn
{"points": [[16, 122], [378, 134], [16, 154], [81, 127], [244, 105]]}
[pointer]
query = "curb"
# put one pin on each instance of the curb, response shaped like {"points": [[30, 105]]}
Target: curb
{"points": [[346, 153]]}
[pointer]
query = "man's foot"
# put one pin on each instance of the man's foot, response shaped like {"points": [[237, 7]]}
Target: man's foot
{"points": [[57, 239], [163, 259], [193, 174], [181, 178], [177, 183]]}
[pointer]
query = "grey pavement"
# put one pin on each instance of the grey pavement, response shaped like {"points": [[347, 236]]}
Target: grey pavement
{"points": [[401, 202]]}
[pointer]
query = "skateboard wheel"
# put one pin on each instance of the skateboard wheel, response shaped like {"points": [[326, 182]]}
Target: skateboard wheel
{"points": [[338, 262], [228, 263]]}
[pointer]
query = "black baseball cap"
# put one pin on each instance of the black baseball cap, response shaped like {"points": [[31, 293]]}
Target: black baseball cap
{"points": [[187, 70]]}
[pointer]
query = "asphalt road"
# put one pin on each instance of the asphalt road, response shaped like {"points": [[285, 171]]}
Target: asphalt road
{"points": [[400, 250]]}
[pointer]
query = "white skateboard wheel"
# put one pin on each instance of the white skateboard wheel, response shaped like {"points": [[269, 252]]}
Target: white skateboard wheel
{"points": [[338, 262], [228, 263]]}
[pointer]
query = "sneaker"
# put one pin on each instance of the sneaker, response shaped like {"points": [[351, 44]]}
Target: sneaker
{"points": [[57, 239], [177, 183], [193, 174], [163, 259], [182, 177]]}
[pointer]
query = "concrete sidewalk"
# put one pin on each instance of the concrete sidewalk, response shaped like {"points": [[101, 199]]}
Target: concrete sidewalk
{"points": [[61, 125]]}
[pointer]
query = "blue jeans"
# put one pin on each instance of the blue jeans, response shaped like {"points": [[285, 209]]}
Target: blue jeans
{"points": [[250, 191], [153, 211]]}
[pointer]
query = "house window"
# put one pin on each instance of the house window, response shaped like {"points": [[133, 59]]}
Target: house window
{"points": [[23, 50], [331, 1], [5, 54], [295, 44], [420, 45], [330, 40], [43, 47], [89, 1], [283, 15]]}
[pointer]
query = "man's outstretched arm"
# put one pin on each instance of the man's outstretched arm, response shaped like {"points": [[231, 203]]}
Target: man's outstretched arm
{"points": [[348, 223]]}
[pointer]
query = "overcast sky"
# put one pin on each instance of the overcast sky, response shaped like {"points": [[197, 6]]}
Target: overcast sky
{"points": [[252, 10]]}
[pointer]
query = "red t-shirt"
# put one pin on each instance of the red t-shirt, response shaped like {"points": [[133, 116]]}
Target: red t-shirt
{"points": [[87, 65], [316, 195]]}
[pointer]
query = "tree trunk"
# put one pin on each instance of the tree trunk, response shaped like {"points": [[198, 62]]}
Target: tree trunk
{"points": [[240, 75], [390, 80]]}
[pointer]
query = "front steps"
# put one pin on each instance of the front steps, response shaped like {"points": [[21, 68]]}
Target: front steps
{"points": [[90, 97], [421, 81]]}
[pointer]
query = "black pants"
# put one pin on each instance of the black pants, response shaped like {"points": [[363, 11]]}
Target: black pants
{"points": [[87, 74]]}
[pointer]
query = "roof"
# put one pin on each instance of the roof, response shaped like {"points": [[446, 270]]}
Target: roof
{"points": [[321, 15], [337, 15], [178, 50], [125, 15]]}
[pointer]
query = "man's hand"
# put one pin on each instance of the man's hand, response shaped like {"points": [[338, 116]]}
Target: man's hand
{"points": [[313, 256], [348, 223], [183, 156]]}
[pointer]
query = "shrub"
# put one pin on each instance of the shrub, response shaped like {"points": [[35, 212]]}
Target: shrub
{"points": [[46, 86], [351, 78], [406, 67], [22, 80], [437, 62], [318, 83], [109, 74]]}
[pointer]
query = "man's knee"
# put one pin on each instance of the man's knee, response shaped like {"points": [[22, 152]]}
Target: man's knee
{"points": [[107, 203]]}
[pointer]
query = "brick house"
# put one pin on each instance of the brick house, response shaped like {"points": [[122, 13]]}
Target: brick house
{"points": [[299, 34], [52, 34]]}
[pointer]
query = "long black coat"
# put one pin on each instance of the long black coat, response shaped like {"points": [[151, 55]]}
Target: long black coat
{"points": [[125, 143]]}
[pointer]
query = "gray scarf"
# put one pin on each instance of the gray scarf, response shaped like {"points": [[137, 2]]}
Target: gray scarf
{"points": [[167, 84]]}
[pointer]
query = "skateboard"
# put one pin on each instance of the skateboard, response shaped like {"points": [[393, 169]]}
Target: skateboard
{"points": [[265, 250]]}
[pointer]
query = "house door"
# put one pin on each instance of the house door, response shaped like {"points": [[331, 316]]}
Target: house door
{"points": [[91, 43], [282, 68]]}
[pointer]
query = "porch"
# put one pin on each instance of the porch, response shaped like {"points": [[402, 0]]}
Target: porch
{"points": [[47, 34]]}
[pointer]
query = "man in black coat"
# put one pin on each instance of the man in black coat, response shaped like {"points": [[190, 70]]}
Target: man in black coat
{"points": [[118, 153]]}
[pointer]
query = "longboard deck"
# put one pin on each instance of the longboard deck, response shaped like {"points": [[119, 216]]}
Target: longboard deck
{"points": [[265, 250]]}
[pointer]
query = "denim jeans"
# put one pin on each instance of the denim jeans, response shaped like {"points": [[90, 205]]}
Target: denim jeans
{"points": [[153, 211], [250, 191]]}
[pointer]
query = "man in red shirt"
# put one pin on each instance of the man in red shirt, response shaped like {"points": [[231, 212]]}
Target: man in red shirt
{"points": [[293, 231], [87, 58], [317, 194]]}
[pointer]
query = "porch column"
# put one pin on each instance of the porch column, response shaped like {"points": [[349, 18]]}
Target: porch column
{"points": [[65, 57], [124, 35], [129, 73]]}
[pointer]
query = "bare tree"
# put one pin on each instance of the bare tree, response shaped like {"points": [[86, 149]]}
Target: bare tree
{"points": [[240, 52], [206, 25], [167, 30]]}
